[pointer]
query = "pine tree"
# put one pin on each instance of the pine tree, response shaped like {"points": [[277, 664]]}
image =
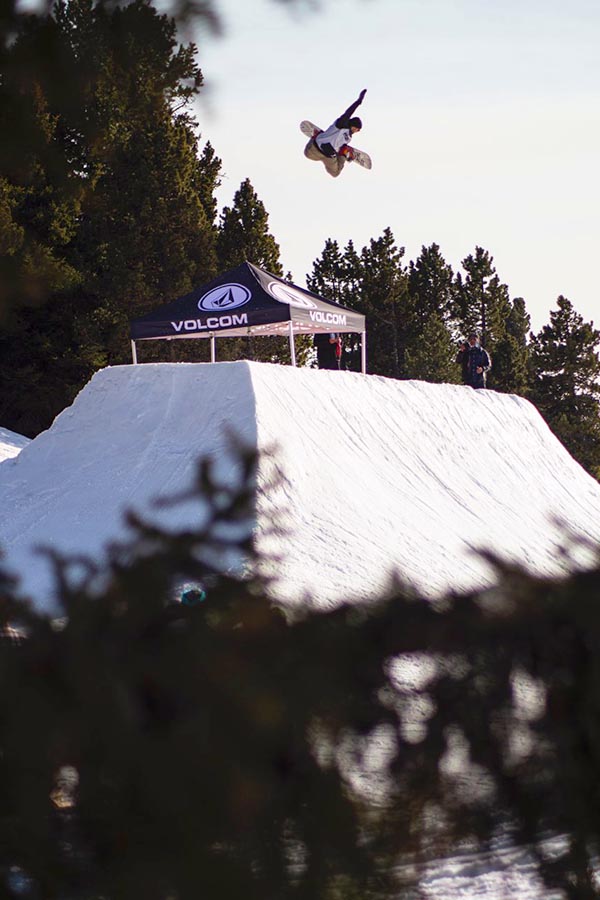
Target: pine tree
{"points": [[472, 297], [136, 226], [482, 303], [208, 179], [329, 277], [430, 344], [39, 202], [511, 352], [244, 236], [145, 205], [565, 363], [377, 286], [430, 354], [244, 233]]}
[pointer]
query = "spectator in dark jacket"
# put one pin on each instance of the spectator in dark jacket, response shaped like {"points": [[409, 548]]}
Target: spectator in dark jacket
{"points": [[329, 350], [475, 362]]}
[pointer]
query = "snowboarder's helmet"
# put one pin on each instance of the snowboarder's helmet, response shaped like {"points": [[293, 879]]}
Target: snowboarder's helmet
{"points": [[356, 123]]}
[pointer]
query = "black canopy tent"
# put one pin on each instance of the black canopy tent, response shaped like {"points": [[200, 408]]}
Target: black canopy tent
{"points": [[246, 301]]}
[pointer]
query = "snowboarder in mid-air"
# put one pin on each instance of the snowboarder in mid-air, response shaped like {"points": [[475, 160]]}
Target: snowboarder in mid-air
{"points": [[331, 147]]}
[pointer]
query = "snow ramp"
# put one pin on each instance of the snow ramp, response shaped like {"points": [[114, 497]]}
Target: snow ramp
{"points": [[11, 444], [380, 476]]}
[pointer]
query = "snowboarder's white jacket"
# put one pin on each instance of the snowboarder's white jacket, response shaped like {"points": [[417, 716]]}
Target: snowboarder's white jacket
{"points": [[333, 138]]}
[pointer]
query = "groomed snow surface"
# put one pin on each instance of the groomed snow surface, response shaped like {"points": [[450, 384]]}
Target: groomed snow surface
{"points": [[380, 476], [11, 444]]}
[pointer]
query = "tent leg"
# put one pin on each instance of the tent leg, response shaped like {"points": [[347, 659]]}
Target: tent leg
{"points": [[213, 348], [134, 353], [363, 352], [292, 345]]}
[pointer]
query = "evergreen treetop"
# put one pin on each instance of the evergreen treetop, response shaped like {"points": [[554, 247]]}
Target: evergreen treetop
{"points": [[565, 367]]}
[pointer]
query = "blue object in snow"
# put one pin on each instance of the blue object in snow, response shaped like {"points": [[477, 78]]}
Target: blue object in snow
{"points": [[193, 596]]}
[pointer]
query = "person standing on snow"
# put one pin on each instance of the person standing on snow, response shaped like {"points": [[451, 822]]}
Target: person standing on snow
{"points": [[475, 362], [329, 350], [331, 146]]}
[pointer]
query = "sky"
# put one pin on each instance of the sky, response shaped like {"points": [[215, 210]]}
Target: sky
{"points": [[482, 120], [378, 476]]}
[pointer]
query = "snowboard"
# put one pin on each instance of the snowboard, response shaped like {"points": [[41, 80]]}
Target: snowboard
{"points": [[352, 154]]}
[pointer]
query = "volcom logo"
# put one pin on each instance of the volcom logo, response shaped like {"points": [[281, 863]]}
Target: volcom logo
{"points": [[328, 318], [226, 296], [212, 323], [284, 293]]}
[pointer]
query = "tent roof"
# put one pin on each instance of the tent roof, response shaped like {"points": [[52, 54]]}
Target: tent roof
{"points": [[242, 301]]}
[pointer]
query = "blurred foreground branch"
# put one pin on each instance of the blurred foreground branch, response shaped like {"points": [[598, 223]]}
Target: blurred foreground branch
{"points": [[227, 749]]}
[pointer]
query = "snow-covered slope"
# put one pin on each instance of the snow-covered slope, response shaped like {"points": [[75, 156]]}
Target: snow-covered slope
{"points": [[11, 444], [380, 475]]}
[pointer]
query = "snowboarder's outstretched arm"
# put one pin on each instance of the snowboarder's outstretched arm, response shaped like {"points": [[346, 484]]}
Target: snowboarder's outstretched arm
{"points": [[342, 122]]}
